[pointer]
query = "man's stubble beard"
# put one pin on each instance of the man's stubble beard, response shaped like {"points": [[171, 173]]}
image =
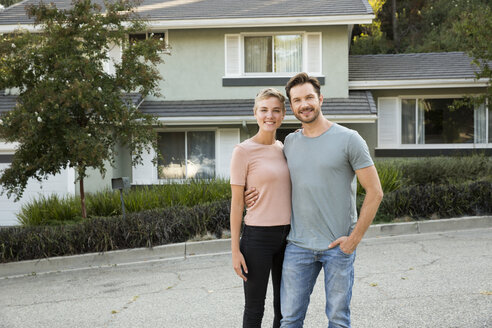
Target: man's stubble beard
{"points": [[316, 111]]}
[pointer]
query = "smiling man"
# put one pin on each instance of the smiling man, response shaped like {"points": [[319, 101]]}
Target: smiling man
{"points": [[323, 159]]}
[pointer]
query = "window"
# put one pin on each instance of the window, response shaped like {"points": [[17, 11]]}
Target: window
{"points": [[443, 121], [272, 54], [162, 36], [186, 155]]}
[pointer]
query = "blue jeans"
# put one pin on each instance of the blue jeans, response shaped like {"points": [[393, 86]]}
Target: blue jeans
{"points": [[300, 270]]}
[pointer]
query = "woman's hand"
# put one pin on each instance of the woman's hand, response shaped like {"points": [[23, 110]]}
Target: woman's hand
{"points": [[239, 264]]}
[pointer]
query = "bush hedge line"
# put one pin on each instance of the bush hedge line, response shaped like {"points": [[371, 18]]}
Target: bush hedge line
{"points": [[443, 201], [442, 170], [177, 224], [394, 175], [54, 210], [100, 234]]}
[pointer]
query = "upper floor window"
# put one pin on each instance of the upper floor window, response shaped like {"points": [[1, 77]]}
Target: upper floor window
{"points": [[274, 54], [136, 37]]}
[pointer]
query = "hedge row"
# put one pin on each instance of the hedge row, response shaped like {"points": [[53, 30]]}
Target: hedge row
{"points": [[423, 202], [177, 224], [143, 229], [441, 170], [54, 210]]}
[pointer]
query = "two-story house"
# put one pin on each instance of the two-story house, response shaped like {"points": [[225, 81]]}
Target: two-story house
{"points": [[222, 52]]}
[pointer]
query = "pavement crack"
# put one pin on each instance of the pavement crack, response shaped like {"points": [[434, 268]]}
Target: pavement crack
{"points": [[115, 313]]}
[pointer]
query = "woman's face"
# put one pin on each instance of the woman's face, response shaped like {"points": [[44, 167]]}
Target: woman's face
{"points": [[269, 114]]}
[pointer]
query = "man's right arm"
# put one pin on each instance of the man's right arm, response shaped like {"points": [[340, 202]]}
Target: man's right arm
{"points": [[250, 196]]}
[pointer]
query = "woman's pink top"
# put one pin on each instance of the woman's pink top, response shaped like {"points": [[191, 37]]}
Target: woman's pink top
{"points": [[265, 168]]}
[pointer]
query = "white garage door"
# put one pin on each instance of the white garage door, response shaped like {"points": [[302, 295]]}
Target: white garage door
{"points": [[61, 184]]}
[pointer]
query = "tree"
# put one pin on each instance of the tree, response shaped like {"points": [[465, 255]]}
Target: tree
{"points": [[70, 112], [368, 38], [473, 32], [414, 26]]}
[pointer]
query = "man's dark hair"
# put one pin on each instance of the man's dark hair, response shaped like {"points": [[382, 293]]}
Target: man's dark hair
{"points": [[300, 79]]}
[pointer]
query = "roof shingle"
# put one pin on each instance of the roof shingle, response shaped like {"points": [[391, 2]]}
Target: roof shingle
{"points": [[442, 65], [358, 102], [217, 9]]}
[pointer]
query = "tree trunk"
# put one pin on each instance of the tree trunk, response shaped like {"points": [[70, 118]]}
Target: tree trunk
{"points": [[394, 23], [82, 197]]}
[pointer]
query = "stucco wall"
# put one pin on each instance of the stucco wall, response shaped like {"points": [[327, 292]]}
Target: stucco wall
{"points": [[195, 67]]}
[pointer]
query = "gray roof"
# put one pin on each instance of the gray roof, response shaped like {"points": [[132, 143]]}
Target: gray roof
{"points": [[7, 102], [358, 102], [217, 9], [442, 65]]}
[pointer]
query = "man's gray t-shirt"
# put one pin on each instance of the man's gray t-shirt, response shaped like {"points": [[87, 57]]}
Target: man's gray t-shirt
{"points": [[322, 171]]}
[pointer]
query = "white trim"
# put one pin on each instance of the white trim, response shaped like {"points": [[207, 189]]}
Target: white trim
{"points": [[250, 119], [266, 33], [177, 129], [265, 21], [487, 119], [438, 96], [232, 65], [391, 138], [417, 84], [235, 22], [8, 148], [219, 143], [306, 53], [217, 151], [11, 28], [439, 146], [267, 75]]}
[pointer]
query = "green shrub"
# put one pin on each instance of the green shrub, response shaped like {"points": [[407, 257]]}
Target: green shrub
{"points": [[443, 201], [397, 173], [390, 175], [141, 229], [56, 210], [49, 210], [445, 170]]}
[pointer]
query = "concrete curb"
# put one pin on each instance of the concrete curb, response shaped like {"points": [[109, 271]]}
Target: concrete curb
{"points": [[190, 249]]}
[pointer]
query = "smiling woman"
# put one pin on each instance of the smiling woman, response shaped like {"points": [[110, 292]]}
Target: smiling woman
{"points": [[259, 162]]}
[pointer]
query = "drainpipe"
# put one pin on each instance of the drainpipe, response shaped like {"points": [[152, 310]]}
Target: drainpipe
{"points": [[245, 128]]}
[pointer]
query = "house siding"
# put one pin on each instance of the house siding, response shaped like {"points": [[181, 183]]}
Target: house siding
{"points": [[196, 66]]}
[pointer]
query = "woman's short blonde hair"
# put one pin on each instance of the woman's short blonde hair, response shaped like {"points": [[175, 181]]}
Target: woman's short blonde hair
{"points": [[268, 93]]}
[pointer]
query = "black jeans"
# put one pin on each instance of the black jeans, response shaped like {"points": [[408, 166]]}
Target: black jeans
{"points": [[263, 250]]}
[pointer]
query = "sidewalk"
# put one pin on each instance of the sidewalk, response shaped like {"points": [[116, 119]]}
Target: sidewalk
{"points": [[190, 249], [438, 280]]}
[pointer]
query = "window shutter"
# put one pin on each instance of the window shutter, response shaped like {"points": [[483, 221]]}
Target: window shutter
{"points": [[232, 55], [145, 173], [227, 139], [114, 54], [313, 53], [388, 122]]}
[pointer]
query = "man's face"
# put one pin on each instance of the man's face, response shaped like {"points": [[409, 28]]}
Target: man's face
{"points": [[305, 102]]}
